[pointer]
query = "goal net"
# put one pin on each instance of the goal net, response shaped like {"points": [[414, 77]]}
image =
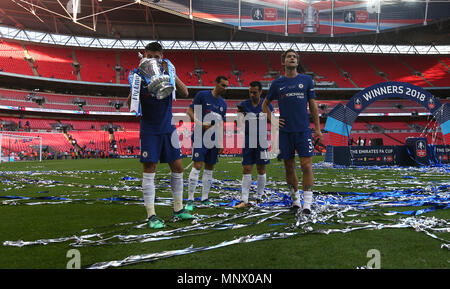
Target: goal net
{"points": [[20, 148]]}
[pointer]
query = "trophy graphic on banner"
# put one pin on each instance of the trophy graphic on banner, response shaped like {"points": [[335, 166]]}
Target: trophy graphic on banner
{"points": [[158, 83], [310, 19]]}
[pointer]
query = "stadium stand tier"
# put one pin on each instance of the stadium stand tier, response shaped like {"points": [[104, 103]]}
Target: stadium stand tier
{"points": [[202, 67]]}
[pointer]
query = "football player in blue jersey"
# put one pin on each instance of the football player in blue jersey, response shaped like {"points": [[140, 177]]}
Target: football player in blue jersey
{"points": [[294, 92], [255, 150], [157, 143], [208, 112]]}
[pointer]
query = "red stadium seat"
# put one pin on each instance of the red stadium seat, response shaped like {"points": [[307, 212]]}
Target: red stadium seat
{"points": [[12, 59], [53, 62]]}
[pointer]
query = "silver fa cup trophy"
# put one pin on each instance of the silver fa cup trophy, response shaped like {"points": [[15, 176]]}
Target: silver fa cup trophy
{"points": [[158, 82]]}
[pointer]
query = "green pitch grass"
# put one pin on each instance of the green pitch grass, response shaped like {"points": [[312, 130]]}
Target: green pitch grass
{"points": [[88, 181]]}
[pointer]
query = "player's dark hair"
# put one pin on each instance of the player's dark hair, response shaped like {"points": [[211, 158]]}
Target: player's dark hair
{"points": [[300, 68], [220, 77], [154, 46], [283, 55], [256, 84]]}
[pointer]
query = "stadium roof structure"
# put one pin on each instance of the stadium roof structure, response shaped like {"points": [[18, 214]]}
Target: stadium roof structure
{"points": [[111, 43], [131, 24], [99, 23]]}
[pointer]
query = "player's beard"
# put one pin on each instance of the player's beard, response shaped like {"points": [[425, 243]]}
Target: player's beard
{"points": [[291, 69], [255, 99]]}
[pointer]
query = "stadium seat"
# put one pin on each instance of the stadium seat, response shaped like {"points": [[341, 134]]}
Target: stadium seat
{"points": [[52, 62], [360, 72], [430, 67], [97, 66], [395, 69], [12, 59], [213, 65]]}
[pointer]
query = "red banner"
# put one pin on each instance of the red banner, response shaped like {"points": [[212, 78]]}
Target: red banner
{"points": [[362, 16], [270, 14]]}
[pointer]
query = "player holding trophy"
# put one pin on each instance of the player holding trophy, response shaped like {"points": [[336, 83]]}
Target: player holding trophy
{"points": [[153, 87]]}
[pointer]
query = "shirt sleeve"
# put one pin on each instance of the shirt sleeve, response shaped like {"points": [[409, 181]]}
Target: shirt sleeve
{"points": [[311, 91], [197, 100], [224, 113], [272, 94], [242, 106]]}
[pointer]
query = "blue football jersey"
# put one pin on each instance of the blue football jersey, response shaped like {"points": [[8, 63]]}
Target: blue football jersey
{"points": [[156, 113], [248, 107], [209, 104], [293, 95]]}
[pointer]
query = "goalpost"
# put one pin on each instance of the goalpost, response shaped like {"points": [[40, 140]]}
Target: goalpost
{"points": [[20, 147]]}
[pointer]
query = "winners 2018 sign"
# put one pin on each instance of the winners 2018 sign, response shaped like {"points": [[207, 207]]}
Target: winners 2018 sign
{"points": [[340, 119]]}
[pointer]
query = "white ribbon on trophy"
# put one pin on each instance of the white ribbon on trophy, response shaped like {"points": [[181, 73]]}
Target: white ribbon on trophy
{"points": [[172, 75], [135, 105]]}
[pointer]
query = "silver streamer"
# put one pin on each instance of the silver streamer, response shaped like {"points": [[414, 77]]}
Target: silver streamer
{"points": [[189, 250], [346, 209]]}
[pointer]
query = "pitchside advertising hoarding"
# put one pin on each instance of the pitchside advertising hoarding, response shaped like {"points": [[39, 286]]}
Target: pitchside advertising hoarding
{"points": [[379, 155], [319, 18], [442, 154], [359, 156], [407, 155]]}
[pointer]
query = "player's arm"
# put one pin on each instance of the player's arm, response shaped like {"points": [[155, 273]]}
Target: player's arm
{"points": [[190, 109], [240, 116], [266, 109], [191, 114], [315, 116], [270, 108], [241, 109], [129, 99], [182, 89], [272, 94], [314, 110]]}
